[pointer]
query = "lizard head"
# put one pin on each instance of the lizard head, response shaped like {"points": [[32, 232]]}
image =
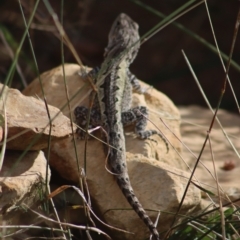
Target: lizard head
{"points": [[123, 38]]}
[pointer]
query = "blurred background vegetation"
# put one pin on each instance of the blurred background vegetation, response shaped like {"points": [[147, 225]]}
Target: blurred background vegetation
{"points": [[159, 62]]}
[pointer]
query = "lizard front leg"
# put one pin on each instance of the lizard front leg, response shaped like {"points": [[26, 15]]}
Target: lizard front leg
{"points": [[136, 84], [138, 116]]}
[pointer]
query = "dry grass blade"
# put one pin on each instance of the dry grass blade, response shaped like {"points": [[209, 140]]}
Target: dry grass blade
{"points": [[208, 138], [218, 190], [190, 33], [170, 19], [27, 227], [13, 65], [69, 224], [56, 214], [208, 104], [6, 45], [3, 124], [61, 31], [226, 69], [62, 188]]}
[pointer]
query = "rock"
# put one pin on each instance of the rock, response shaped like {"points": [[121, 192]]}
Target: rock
{"points": [[158, 186], [28, 123], [153, 172], [195, 124], [22, 181], [54, 88]]}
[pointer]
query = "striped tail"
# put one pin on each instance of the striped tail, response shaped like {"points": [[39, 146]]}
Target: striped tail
{"points": [[124, 183]]}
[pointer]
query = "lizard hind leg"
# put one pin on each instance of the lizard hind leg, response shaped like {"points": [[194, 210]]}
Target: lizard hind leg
{"points": [[81, 115], [138, 116]]}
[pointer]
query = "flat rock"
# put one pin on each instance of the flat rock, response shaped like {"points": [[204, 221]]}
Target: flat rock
{"points": [[28, 122], [54, 87], [158, 186]]}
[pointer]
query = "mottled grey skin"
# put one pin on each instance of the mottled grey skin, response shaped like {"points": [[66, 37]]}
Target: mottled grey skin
{"points": [[114, 84]]}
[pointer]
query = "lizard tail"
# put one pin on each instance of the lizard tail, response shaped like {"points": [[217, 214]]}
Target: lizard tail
{"points": [[124, 184]]}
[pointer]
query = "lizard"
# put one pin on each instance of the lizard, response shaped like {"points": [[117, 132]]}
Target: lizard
{"points": [[112, 107]]}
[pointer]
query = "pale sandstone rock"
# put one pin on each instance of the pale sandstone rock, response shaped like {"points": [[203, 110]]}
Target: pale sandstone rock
{"points": [[155, 179], [54, 88], [194, 127], [28, 123], [22, 181], [157, 185]]}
